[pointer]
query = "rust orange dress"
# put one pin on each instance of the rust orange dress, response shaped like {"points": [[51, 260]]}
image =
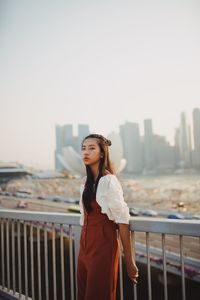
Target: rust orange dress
{"points": [[99, 245], [98, 257]]}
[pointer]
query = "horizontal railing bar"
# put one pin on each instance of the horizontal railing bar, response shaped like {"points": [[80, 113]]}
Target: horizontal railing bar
{"points": [[49, 217], [167, 226], [141, 224]]}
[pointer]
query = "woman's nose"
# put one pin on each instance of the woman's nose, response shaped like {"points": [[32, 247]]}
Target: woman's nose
{"points": [[85, 152]]}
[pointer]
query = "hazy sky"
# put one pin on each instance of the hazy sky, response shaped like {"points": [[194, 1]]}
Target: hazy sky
{"points": [[97, 62]]}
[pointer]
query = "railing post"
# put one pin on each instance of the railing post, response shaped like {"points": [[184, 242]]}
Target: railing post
{"points": [[46, 262], [13, 257], [8, 254], [39, 262], [25, 262], [133, 245], [148, 267], [19, 258], [32, 263], [71, 262], [182, 267], [2, 254], [121, 272], [62, 261], [54, 262], [164, 266], [76, 239]]}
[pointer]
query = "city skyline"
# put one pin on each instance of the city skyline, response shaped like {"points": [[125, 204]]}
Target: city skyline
{"points": [[73, 134], [100, 63], [150, 153]]}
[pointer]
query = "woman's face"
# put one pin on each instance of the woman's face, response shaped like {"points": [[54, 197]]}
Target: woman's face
{"points": [[90, 152]]}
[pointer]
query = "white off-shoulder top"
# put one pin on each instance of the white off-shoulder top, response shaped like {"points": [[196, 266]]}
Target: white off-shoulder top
{"points": [[110, 198]]}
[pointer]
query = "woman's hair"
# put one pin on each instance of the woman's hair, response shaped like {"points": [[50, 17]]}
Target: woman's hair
{"points": [[105, 164]]}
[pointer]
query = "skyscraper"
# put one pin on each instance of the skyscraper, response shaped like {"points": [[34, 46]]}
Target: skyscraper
{"points": [[132, 147], [67, 131], [164, 154], [59, 145], [65, 138], [196, 136], [149, 158], [83, 131], [185, 143], [177, 157]]}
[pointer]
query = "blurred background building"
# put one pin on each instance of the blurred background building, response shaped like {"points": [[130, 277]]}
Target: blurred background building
{"points": [[196, 135], [149, 153]]}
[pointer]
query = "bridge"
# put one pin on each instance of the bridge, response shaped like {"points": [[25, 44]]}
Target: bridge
{"points": [[38, 256]]}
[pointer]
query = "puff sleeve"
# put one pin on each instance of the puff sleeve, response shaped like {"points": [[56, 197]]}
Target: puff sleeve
{"points": [[110, 197]]}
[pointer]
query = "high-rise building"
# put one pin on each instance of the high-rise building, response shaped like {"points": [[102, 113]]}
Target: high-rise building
{"points": [[164, 154], [196, 137], [132, 146], [177, 156], [149, 156], [83, 131], [59, 145], [185, 143], [67, 131], [190, 144], [65, 138]]}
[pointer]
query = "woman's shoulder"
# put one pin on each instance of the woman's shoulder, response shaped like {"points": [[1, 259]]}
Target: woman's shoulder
{"points": [[109, 187], [108, 178]]}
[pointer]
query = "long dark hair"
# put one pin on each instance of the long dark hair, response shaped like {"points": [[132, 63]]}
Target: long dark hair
{"points": [[105, 165]]}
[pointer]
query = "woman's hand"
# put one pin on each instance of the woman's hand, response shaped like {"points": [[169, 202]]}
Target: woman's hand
{"points": [[132, 271], [131, 267]]}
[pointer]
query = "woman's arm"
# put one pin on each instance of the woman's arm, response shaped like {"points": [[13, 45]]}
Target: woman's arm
{"points": [[131, 267]]}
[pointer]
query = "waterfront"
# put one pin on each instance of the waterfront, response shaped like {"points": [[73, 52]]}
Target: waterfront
{"points": [[178, 193]]}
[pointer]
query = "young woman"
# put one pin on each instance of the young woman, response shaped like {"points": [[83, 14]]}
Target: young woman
{"points": [[104, 215]]}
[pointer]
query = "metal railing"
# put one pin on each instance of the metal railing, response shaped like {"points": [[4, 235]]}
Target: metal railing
{"points": [[38, 254], [163, 248]]}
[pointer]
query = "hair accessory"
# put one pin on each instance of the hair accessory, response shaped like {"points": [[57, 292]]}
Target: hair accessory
{"points": [[108, 142], [100, 137], [105, 140]]}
